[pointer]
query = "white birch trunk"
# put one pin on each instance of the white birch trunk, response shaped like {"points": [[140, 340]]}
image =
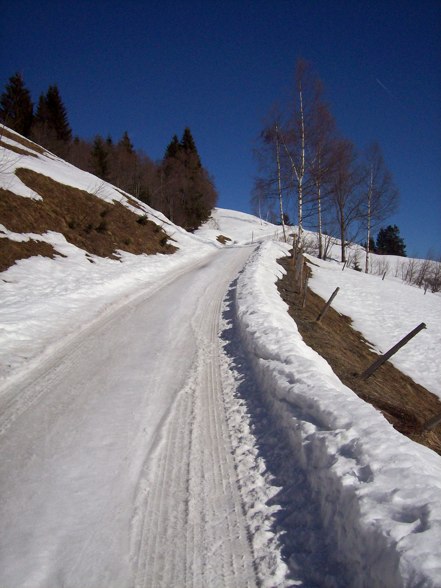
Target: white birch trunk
{"points": [[301, 173], [366, 269], [279, 183], [319, 218]]}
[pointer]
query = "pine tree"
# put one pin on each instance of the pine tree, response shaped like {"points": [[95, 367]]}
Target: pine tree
{"points": [[51, 126], [188, 147], [389, 242], [187, 192], [100, 158], [57, 115], [16, 107], [126, 144], [173, 148]]}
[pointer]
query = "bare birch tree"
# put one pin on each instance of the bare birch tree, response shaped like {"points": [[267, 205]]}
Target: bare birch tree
{"points": [[345, 187], [381, 194], [320, 162], [271, 184], [295, 139]]}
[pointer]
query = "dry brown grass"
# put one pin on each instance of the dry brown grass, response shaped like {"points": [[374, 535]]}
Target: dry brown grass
{"points": [[222, 239], [16, 149], [25, 142], [98, 227], [405, 404], [12, 251]]}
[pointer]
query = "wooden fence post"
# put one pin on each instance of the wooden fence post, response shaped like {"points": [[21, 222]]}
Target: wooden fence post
{"points": [[327, 305], [383, 358], [305, 290], [299, 271]]}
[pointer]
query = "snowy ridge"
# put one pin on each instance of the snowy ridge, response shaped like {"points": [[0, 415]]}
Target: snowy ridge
{"points": [[241, 228], [378, 491]]}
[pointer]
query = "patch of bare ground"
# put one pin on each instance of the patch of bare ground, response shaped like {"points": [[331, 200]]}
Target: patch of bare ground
{"points": [[4, 132], [96, 226], [12, 251], [16, 149], [405, 404], [222, 239]]}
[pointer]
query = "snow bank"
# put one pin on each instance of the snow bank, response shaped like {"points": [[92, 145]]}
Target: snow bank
{"points": [[379, 492]]}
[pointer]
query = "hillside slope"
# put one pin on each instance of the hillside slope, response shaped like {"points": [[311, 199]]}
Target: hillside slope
{"points": [[215, 429]]}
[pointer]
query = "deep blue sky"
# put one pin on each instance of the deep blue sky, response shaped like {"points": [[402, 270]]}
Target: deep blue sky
{"points": [[152, 68]]}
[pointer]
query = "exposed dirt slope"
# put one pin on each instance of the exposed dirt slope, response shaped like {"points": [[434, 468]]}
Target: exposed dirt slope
{"points": [[405, 404], [87, 221]]}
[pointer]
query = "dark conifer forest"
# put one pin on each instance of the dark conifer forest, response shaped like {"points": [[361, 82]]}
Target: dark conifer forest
{"points": [[178, 185]]}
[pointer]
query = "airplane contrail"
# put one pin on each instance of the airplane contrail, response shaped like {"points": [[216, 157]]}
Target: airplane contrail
{"points": [[383, 86]]}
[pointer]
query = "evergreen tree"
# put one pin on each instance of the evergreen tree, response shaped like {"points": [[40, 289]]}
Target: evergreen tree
{"points": [[389, 242], [188, 147], [57, 115], [16, 107], [100, 158], [187, 192], [173, 148], [126, 144], [51, 126]]}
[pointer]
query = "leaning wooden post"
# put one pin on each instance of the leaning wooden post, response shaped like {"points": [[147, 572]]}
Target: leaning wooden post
{"points": [[298, 270], [327, 305], [305, 290], [383, 358]]}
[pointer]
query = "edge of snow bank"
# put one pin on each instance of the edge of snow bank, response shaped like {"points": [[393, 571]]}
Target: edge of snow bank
{"points": [[378, 491]]}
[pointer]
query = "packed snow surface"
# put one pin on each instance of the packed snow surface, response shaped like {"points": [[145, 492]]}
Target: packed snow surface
{"points": [[162, 422]]}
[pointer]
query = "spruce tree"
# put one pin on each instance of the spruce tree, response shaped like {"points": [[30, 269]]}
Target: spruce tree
{"points": [[389, 242], [173, 148], [16, 107], [189, 148], [188, 193], [100, 158], [58, 115], [51, 126], [126, 144]]}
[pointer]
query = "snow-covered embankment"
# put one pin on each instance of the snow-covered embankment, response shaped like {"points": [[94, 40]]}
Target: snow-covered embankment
{"points": [[377, 490]]}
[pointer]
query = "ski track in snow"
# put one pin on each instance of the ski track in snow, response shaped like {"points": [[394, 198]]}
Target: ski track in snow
{"points": [[193, 530], [123, 473]]}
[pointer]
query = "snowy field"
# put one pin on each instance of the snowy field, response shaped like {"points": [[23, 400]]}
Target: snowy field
{"points": [[384, 311], [102, 371]]}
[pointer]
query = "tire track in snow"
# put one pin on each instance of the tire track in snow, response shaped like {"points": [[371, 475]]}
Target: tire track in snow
{"points": [[190, 528]]}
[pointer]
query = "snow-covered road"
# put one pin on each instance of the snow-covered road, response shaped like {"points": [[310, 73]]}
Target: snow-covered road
{"points": [[122, 473]]}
